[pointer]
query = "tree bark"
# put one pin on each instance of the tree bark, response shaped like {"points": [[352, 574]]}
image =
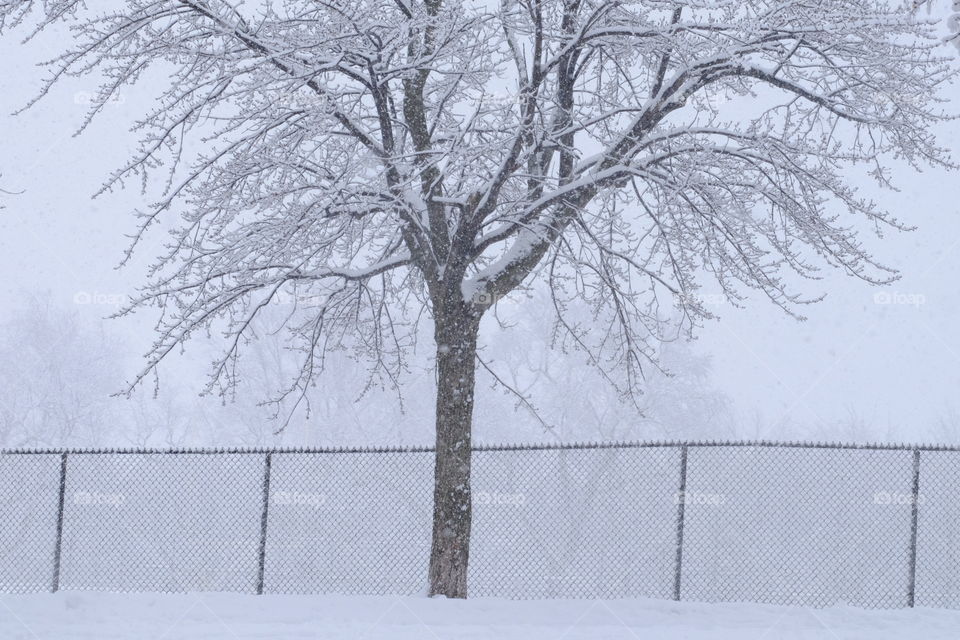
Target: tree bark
{"points": [[456, 337]]}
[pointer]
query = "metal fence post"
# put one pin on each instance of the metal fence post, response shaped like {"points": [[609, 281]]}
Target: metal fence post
{"points": [[263, 523], [914, 508], [681, 503], [59, 542]]}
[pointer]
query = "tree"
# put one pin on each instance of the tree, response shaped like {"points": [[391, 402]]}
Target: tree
{"points": [[383, 160], [53, 383], [59, 372]]}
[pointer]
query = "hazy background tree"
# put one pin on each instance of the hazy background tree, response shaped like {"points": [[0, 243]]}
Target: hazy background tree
{"points": [[389, 162], [64, 363]]}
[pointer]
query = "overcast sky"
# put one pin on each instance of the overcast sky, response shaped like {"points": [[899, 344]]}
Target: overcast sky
{"points": [[888, 357]]}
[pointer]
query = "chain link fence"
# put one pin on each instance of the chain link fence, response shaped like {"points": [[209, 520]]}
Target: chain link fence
{"points": [[784, 523]]}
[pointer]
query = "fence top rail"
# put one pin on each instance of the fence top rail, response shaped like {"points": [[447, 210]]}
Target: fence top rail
{"points": [[635, 444]]}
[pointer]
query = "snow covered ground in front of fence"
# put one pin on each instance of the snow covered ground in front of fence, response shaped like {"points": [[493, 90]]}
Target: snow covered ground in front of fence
{"points": [[218, 616]]}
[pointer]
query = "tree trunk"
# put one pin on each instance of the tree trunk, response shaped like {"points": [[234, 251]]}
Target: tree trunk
{"points": [[456, 336]]}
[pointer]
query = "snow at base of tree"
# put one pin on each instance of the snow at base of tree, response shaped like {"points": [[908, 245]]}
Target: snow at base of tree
{"points": [[219, 616]]}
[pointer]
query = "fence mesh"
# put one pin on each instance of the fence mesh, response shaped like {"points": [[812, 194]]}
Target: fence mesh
{"points": [[29, 498], [157, 522], [938, 525], [574, 523], [787, 524], [349, 523], [798, 526]]}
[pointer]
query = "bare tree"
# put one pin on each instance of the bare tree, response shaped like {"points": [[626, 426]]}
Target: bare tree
{"points": [[59, 371], [379, 159]]}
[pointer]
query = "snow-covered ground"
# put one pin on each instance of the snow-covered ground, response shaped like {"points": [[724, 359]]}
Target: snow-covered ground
{"points": [[86, 616]]}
